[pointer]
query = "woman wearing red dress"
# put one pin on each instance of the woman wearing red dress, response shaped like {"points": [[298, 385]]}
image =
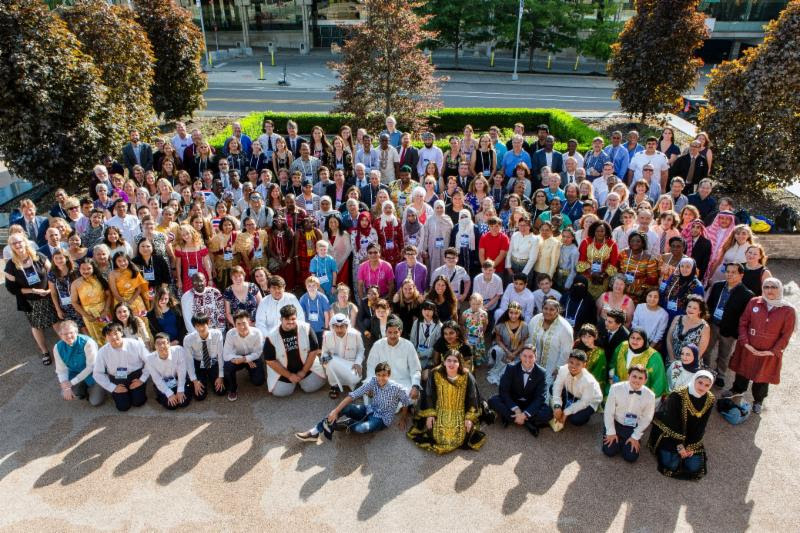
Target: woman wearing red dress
{"points": [[191, 256], [281, 251], [390, 234], [598, 257], [305, 248]]}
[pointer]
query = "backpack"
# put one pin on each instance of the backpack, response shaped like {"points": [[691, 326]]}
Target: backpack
{"points": [[761, 224], [732, 412], [742, 216], [786, 221]]}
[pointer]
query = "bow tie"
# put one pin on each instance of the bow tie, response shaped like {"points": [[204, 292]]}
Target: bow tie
{"points": [[639, 392]]}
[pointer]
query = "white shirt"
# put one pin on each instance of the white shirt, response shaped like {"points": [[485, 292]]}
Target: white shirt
{"points": [[523, 248], [89, 351], [349, 347], [249, 347], [657, 159], [265, 145], [600, 187], [128, 226], [524, 298], [403, 359], [170, 372], [391, 156], [128, 359], [429, 155], [268, 315], [454, 276], [539, 296], [584, 389], [487, 289], [578, 157], [193, 345], [620, 404], [653, 322], [181, 144]]}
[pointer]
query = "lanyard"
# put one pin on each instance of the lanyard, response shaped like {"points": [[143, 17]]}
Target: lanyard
{"points": [[628, 264], [578, 310]]}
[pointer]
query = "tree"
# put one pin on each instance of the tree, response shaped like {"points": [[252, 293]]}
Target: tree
{"points": [[653, 62], [107, 33], [457, 23], [754, 110], [178, 46], [55, 120], [550, 25], [383, 71], [600, 32]]}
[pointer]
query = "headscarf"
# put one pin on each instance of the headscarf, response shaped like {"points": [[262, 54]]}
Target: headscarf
{"points": [[685, 261], [683, 285], [465, 227], [411, 228], [686, 233], [330, 203], [643, 334], [717, 234], [359, 228], [387, 220], [700, 374], [435, 205], [781, 301], [694, 366], [579, 289]]}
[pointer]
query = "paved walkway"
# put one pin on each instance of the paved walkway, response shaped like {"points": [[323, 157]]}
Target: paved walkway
{"points": [[237, 467]]}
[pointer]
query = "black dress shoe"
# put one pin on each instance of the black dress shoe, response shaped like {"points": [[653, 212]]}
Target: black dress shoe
{"points": [[532, 428]]}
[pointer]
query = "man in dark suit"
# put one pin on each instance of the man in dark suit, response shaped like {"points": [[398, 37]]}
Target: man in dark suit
{"points": [[547, 157], [293, 140], [611, 212], [522, 397], [727, 301], [53, 238], [409, 155], [35, 226], [613, 333], [370, 192], [137, 153], [692, 167], [701, 248]]}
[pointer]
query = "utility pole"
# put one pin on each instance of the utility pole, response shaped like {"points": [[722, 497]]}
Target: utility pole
{"points": [[514, 76]]}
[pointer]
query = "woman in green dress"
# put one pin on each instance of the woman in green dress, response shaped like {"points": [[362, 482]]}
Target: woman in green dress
{"points": [[636, 351], [595, 356], [449, 409]]}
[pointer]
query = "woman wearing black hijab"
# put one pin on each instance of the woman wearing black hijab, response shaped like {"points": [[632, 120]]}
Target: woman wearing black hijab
{"points": [[578, 305]]}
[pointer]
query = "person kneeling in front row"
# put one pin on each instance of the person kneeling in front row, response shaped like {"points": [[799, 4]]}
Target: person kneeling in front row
{"points": [[576, 392], [522, 397], [120, 368], [204, 361], [387, 396], [167, 366], [291, 351], [75, 355], [242, 350], [628, 412]]}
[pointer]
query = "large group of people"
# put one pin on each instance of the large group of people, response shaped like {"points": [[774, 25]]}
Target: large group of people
{"points": [[608, 282]]}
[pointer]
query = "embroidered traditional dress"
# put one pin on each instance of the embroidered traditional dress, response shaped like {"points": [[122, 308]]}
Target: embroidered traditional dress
{"points": [[650, 359], [641, 273], [594, 259]]}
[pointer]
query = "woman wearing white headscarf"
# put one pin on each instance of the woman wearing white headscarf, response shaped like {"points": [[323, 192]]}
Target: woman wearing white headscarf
{"points": [[464, 237], [677, 435], [437, 237], [765, 329], [325, 210]]}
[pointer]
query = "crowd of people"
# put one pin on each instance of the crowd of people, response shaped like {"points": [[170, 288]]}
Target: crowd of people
{"points": [[610, 282]]}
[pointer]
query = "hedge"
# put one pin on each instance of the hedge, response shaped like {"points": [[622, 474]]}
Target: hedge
{"points": [[562, 125]]}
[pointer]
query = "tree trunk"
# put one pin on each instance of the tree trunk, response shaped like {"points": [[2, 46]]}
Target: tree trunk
{"points": [[530, 57]]}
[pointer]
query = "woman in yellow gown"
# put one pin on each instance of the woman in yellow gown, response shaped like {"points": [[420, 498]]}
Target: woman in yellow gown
{"points": [[92, 299], [128, 286], [449, 409]]}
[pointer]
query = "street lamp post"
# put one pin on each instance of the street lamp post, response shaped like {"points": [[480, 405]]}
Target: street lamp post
{"points": [[514, 76], [203, 29]]}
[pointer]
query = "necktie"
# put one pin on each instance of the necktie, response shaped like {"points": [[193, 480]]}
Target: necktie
{"points": [[571, 178], [427, 330], [403, 155], [607, 218], [269, 143], [206, 356], [635, 392], [293, 145], [33, 231], [690, 172]]}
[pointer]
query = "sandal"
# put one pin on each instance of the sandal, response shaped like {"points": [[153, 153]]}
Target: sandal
{"points": [[47, 359], [333, 393]]}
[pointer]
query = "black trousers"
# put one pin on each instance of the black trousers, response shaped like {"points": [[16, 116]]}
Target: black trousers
{"points": [[206, 376], [164, 401], [541, 416], [132, 397], [759, 390], [257, 376]]}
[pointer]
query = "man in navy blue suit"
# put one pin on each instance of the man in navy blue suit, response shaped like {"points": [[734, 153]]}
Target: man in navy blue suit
{"points": [[546, 157], [522, 397], [35, 226]]}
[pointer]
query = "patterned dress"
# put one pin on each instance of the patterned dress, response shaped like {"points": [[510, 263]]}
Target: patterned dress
{"points": [[249, 304], [62, 287], [641, 274], [476, 334], [595, 259]]}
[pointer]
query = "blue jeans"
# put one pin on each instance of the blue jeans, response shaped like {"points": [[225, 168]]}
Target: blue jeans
{"points": [[362, 422], [672, 461]]}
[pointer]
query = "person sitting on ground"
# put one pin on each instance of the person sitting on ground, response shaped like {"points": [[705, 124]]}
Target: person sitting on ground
{"points": [[205, 362], [342, 355], [677, 435], [682, 370], [291, 351], [576, 392], [522, 396], [120, 368], [627, 414], [74, 356], [386, 397], [242, 350], [401, 356], [449, 409], [167, 366]]}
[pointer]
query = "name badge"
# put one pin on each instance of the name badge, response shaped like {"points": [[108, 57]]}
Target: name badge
{"points": [[227, 256], [596, 268], [65, 300], [389, 244], [718, 313], [171, 382], [486, 172], [323, 279], [412, 241], [722, 269], [629, 278], [309, 206], [571, 321], [472, 340], [752, 332], [121, 373], [33, 278], [339, 166], [364, 242], [464, 241], [662, 286], [192, 271], [631, 420], [149, 275], [258, 254], [313, 317], [309, 176], [672, 305], [439, 243]]}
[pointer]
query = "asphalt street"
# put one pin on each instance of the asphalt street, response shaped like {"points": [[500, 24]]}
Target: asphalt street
{"points": [[220, 466]]}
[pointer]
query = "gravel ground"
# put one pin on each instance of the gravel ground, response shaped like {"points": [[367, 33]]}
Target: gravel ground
{"points": [[214, 466]]}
